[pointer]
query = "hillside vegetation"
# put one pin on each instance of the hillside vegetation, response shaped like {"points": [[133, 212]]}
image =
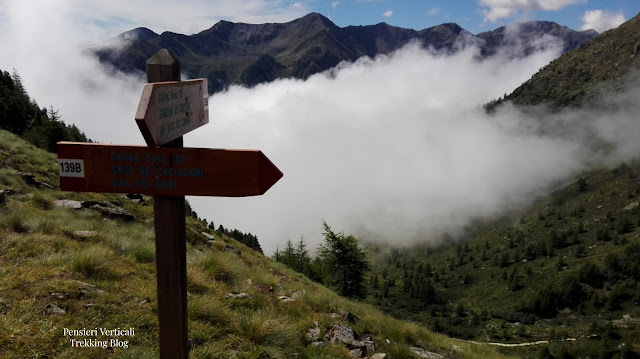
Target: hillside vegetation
{"points": [[80, 269], [21, 115], [566, 268], [576, 78]]}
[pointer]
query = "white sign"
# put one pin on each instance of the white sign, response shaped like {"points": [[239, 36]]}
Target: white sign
{"points": [[168, 110], [70, 167]]}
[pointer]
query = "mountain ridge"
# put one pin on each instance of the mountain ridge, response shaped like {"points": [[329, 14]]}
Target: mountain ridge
{"points": [[238, 53]]}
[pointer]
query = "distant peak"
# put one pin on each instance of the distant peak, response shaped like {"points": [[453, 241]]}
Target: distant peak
{"points": [[139, 33], [316, 17], [452, 26]]}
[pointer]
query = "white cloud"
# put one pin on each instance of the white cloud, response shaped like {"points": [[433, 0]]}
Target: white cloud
{"points": [[187, 17], [601, 20], [335, 4], [395, 148], [500, 9], [434, 11], [387, 13]]}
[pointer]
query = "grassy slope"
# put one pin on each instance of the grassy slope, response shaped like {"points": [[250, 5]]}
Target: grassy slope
{"points": [[43, 261]]}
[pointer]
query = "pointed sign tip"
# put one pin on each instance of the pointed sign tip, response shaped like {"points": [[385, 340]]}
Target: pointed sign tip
{"points": [[162, 57], [269, 173]]}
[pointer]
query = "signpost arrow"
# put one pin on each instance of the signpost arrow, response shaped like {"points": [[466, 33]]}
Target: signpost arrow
{"points": [[168, 110], [162, 171]]}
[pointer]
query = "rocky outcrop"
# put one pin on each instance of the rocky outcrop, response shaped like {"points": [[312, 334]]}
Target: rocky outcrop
{"points": [[423, 354], [105, 208], [31, 180]]}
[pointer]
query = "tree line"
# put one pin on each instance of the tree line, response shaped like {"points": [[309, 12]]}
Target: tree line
{"points": [[21, 115], [248, 239], [340, 263]]}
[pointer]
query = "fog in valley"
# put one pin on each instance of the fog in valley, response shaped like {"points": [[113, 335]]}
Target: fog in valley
{"points": [[395, 148]]}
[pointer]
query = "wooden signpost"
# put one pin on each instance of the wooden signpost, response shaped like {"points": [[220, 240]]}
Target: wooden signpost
{"points": [[89, 167], [168, 109]]}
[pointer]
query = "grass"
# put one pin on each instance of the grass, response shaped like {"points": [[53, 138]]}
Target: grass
{"points": [[109, 281]]}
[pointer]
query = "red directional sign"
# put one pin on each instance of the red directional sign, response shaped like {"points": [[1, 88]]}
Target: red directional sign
{"points": [[91, 167], [168, 110]]}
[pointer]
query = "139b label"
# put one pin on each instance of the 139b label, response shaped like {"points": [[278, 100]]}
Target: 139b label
{"points": [[70, 168]]}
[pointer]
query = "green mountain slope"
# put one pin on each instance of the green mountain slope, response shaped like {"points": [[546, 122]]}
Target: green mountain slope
{"points": [[566, 268], [74, 269], [576, 77]]}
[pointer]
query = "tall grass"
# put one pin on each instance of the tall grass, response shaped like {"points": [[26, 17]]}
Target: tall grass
{"points": [[93, 262]]}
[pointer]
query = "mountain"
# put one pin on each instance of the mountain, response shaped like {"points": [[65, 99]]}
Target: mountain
{"points": [[67, 262], [247, 54], [578, 76], [531, 36]]}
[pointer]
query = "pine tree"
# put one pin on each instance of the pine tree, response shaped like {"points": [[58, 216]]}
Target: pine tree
{"points": [[344, 261]]}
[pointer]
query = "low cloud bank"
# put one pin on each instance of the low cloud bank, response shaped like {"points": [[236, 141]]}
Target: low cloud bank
{"points": [[398, 148]]}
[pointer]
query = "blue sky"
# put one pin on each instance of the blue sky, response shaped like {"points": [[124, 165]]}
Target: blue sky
{"points": [[191, 16], [475, 16], [100, 19]]}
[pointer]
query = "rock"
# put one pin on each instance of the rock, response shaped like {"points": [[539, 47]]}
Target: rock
{"points": [[109, 212], [421, 353], [285, 299], [355, 353], [314, 333], [264, 288], [60, 295], [368, 345], [210, 237], [318, 344], [341, 334], [84, 234], [86, 288], [249, 281], [238, 296], [379, 356], [298, 294], [227, 247], [135, 197], [52, 309], [66, 203], [335, 315], [351, 318], [31, 180], [565, 311], [457, 349], [211, 242]]}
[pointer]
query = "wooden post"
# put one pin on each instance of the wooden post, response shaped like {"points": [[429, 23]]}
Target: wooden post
{"points": [[171, 252]]}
